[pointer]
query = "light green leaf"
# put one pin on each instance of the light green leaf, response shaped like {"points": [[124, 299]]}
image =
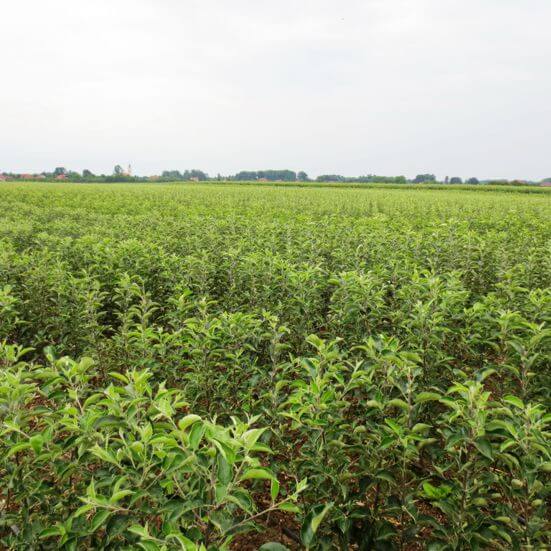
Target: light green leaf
{"points": [[274, 489], [311, 523], [423, 397], [289, 507], [514, 401], [261, 474], [98, 520], [273, 546], [187, 421]]}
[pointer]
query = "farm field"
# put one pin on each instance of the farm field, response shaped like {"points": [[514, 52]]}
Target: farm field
{"points": [[225, 366]]}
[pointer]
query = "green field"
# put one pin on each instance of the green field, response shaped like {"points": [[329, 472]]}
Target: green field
{"points": [[214, 366]]}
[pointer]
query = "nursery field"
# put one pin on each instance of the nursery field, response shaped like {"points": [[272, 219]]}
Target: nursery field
{"points": [[220, 366]]}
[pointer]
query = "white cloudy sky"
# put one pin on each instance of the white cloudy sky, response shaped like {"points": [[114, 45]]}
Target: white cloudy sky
{"points": [[455, 87]]}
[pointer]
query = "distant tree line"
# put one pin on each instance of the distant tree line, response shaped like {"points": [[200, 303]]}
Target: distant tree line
{"points": [[284, 175], [270, 176], [371, 178], [458, 180], [193, 174]]}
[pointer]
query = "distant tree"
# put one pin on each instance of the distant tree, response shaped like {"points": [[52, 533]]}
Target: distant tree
{"points": [[546, 181], [118, 170], [246, 175], [456, 180], [172, 174], [87, 173], [421, 178], [195, 174], [447, 180], [374, 178], [278, 175], [60, 171], [330, 178], [270, 175], [302, 176], [473, 181]]}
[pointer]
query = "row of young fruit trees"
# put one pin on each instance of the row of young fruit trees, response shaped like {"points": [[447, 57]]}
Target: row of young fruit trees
{"points": [[196, 368]]}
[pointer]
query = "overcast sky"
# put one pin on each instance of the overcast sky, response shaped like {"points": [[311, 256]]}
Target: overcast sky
{"points": [[452, 87]]}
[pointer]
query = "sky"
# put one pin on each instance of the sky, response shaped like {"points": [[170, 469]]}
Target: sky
{"points": [[388, 87]]}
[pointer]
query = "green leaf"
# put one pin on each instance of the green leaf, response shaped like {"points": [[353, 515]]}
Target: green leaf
{"points": [[150, 546], [396, 428], [311, 523], [224, 473], [187, 421], [261, 448], [484, 447], [196, 435], [98, 520], [385, 475], [514, 401], [82, 510], [242, 499], [117, 496], [423, 397], [289, 507], [220, 492], [302, 485], [186, 543], [274, 489], [51, 532], [436, 492], [107, 421], [503, 425], [91, 489], [17, 448], [273, 546], [103, 454], [420, 427], [37, 443], [261, 474], [251, 436], [119, 377], [397, 402], [141, 531]]}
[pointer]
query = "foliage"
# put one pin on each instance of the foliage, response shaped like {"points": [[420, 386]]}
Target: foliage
{"points": [[421, 178], [333, 368], [270, 175]]}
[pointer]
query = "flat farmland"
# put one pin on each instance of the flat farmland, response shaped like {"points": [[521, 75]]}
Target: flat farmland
{"points": [[227, 366]]}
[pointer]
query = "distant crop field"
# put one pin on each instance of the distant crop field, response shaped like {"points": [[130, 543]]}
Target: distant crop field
{"points": [[227, 366]]}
